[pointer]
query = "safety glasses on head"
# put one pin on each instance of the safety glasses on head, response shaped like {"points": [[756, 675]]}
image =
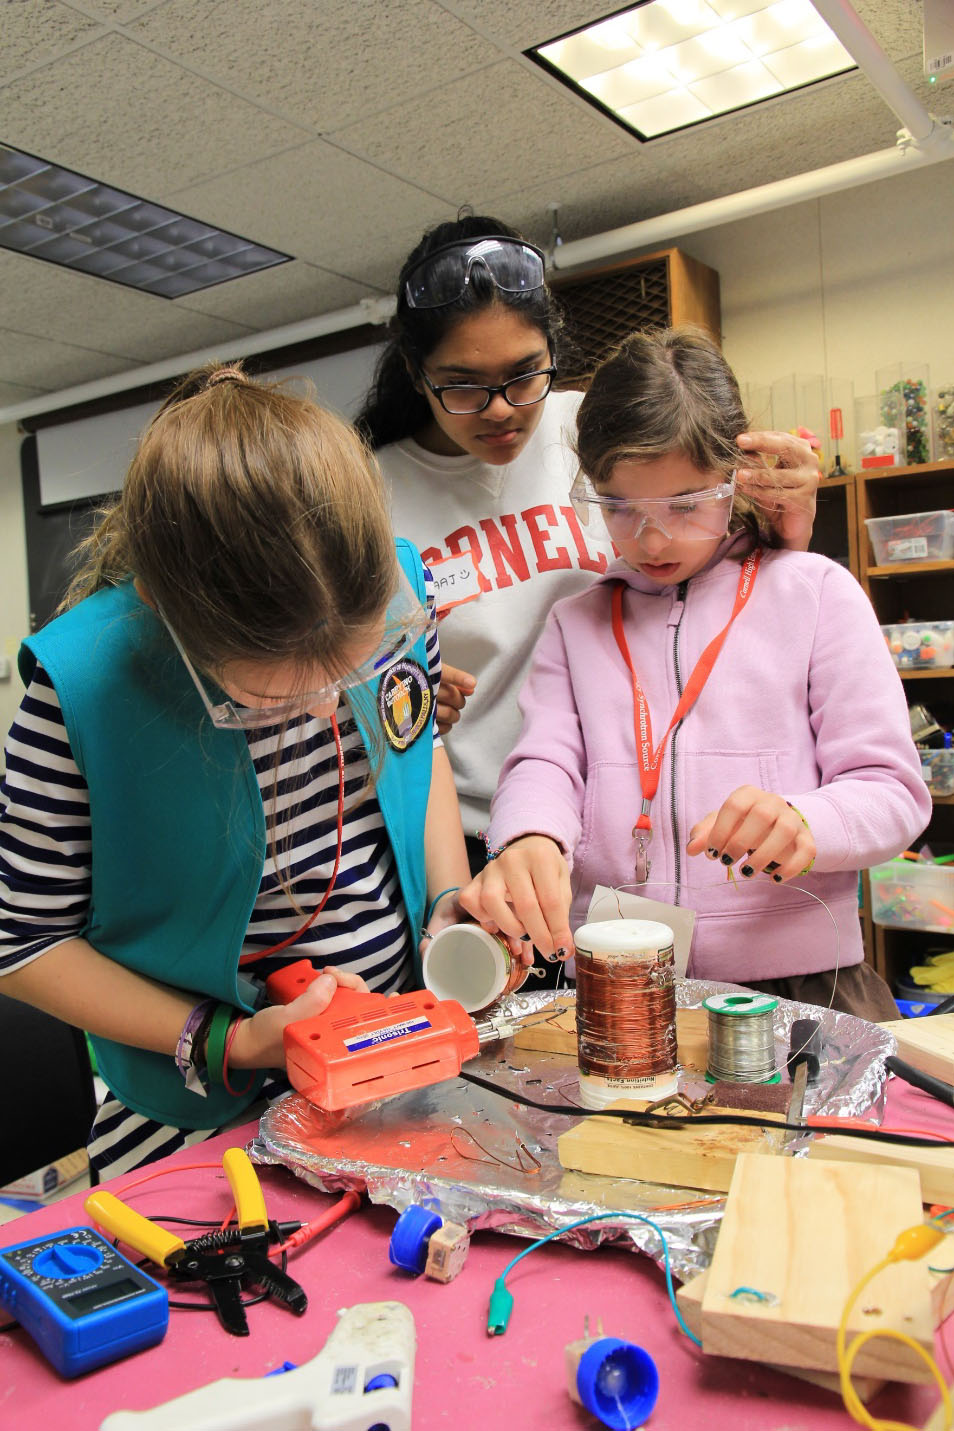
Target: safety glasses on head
{"points": [[442, 276], [405, 621], [690, 516]]}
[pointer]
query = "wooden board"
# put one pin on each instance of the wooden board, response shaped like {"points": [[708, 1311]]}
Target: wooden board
{"points": [[804, 1233], [558, 1035], [927, 1043], [934, 1166], [690, 1298], [692, 1157]]}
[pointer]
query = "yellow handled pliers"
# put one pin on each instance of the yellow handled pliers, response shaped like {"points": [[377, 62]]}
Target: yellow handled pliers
{"points": [[226, 1262]]}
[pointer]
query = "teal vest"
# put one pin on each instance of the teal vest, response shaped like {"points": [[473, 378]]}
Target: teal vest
{"points": [[178, 827]]}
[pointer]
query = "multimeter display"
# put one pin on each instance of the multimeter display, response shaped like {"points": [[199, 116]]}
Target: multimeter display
{"points": [[80, 1300]]}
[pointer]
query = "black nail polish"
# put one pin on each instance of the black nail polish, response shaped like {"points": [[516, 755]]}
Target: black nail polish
{"points": [[771, 866], [713, 854], [726, 859], [748, 871], [561, 953], [525, 938], [777, 879]]}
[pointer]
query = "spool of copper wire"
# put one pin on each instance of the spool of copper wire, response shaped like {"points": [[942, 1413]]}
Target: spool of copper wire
{"points": [[625, 1011], [741, 1038]]}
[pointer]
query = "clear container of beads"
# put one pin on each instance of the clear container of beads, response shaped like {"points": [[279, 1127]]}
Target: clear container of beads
{"points": [[879, 443], [625, 1011], [942, 422], [741, 1038], [903, 392]]}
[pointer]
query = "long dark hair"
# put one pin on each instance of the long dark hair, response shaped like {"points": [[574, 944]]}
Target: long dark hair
{"points": [[393, 407]]}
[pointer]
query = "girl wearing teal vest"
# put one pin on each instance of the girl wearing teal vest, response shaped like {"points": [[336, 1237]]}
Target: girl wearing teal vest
{"points": [[225, 759]]}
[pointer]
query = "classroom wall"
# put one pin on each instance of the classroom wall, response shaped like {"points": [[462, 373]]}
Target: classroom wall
{"points": [[840, 285]]}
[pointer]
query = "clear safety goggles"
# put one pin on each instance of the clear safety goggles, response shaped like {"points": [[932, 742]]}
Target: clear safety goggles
{"points": [[404, 624], [442, 277], [691, 517]]}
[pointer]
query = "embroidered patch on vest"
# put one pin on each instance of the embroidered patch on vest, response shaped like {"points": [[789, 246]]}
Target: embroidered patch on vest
{"points": [[404, 703]]}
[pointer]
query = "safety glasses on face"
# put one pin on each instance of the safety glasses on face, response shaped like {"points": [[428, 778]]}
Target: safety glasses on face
{"points": [[523, 391], [405, 622], [442, 277], [691, 516]]}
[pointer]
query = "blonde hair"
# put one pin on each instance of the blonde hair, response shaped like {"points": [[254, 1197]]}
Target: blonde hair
{"points": [[256, 521], [669, 391]]}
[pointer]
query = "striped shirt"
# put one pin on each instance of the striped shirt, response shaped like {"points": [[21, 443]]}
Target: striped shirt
{"points": [[45, 863]]}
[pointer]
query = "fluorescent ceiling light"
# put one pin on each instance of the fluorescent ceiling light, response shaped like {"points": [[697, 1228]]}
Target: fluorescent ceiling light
{"points": [[66, 218], [668, 64]]}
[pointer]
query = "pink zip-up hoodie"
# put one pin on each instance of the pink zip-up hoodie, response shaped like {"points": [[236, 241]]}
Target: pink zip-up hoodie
{"points": [[804, 700]]}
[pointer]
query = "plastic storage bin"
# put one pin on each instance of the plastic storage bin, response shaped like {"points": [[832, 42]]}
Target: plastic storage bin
{"points": [[937, 767], [921, 645], [918, 536], [909, 895]]}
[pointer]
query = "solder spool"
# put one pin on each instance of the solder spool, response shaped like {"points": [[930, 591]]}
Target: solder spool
{"points": [[625, 1011], [741, 1038]]}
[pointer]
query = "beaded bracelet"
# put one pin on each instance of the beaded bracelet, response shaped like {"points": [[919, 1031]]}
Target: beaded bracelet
{"points": [[215, 1047], [809, 829]]}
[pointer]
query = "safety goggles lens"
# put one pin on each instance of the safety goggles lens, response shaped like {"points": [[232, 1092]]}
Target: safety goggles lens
{"points": [[405, 622], [442, 277], [693, 516]]}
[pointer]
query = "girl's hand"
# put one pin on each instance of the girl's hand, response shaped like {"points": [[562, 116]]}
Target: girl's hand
{"points": [[758, 828], [785, 491], [258, 1041], [448, 911], [525, 893], [452, 695]]}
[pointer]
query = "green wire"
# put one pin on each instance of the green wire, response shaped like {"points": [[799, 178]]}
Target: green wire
{"points": [[501, 1298]]}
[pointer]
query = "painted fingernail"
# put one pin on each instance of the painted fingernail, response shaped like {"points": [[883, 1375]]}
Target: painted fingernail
{"points": [[525, 938], [713, 854], [726, 859], [772, 865], [747, 871], [777, 879], [561, 953], [549, 958]]}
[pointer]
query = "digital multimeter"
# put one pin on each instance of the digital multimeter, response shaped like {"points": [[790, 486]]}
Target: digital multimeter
{"points": [[81, 1301]]}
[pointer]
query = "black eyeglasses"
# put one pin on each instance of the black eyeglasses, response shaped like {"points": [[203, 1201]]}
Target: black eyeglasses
{"points": [[458, 398]]}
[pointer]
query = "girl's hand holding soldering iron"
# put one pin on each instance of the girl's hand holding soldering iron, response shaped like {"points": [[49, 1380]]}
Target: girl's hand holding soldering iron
{"points": [[762, 830], [259, 1039], [524, 892]]}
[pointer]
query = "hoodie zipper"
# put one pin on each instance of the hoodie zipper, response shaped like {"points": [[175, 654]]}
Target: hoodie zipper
{"points": [[675, 621]]}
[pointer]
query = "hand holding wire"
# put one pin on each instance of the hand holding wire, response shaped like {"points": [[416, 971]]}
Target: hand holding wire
{"points": [[759, 828], [525, 891]]}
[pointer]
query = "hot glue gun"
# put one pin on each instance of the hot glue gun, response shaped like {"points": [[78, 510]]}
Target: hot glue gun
{"points": [[369, 1046], [362, 1377]]}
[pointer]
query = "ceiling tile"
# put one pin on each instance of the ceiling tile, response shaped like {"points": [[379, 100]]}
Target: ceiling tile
{"points": [[897, 25], [324, 65], [13, 393], [47, 364], [142, 123], [520, 24], [288, 293], [35, 33], [325, 205], [504, 123], [75, 308]]}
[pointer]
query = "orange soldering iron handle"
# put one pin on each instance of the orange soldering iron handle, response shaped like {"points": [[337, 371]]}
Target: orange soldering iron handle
{"points": [[288, 982], [368, 1046]]}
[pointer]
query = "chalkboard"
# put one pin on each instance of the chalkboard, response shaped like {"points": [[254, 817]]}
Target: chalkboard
{"points": [[52, 535]]}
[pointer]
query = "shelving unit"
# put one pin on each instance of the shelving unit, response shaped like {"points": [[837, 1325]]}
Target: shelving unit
{"points": [[917, 590]]}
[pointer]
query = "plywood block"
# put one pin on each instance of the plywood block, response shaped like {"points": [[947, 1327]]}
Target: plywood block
{"points": [[803, 1234], [689, 1157], [558, 1034], [690, 1298], [927, 1044], [934, 1166]]}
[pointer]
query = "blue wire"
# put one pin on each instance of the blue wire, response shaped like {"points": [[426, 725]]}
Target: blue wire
{"points": [[605, 1217]]}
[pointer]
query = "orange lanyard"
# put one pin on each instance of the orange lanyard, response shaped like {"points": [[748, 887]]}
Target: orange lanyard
{"points": [[649, 759]]}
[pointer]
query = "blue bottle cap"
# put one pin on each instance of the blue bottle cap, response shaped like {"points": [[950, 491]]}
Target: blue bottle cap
{"points": [[618, 1383], [412, 1231]]}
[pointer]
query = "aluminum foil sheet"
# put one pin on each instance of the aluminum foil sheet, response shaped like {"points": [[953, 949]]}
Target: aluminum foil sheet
{"points": [[491, 1163]]}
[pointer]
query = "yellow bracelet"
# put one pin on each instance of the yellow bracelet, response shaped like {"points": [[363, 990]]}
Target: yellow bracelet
{"points": [[808, 827]]}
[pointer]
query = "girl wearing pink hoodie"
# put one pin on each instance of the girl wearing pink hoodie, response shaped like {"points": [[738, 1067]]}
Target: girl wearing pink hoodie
{"points": [[710, 701]]}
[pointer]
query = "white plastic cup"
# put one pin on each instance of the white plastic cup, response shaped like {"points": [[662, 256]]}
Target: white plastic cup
{"points": [[465, 963]]}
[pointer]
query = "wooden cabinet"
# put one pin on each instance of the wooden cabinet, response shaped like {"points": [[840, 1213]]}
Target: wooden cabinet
{"points": [[603, 304], [919, 591]]}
